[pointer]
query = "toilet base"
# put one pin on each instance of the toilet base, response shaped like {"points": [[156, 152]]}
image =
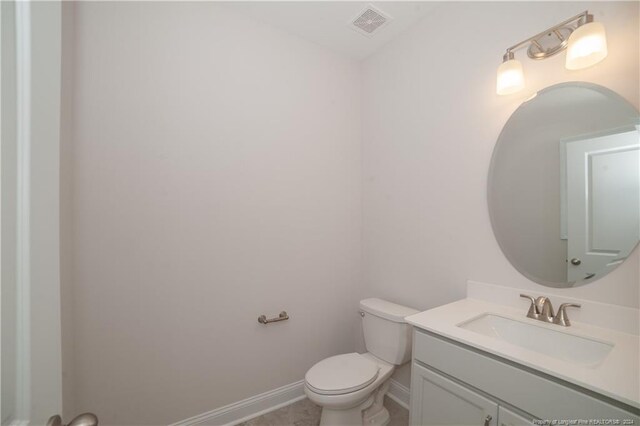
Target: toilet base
{"points": [[381, 418], [348, 417], [369, 413], [377, 414]]}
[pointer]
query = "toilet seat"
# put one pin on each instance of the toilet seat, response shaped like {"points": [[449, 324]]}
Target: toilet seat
{"points": [[341, 374]]}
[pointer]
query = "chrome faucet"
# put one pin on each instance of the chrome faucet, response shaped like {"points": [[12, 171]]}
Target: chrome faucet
{"points": [[542, 310]]}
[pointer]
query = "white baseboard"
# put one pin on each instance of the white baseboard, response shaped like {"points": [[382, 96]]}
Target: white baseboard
{"points": [[399, 393], [258, 405], [249, 408]]}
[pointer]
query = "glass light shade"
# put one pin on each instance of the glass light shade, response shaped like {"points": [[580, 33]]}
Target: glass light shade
{"points": [[510, 77], [587, 46]]}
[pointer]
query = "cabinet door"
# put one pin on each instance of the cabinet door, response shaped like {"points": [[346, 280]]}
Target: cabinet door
{"points": [[436, 400], [507, 417]]}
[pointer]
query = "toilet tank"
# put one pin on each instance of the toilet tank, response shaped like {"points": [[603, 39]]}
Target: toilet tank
{"points": [[386, 334]]}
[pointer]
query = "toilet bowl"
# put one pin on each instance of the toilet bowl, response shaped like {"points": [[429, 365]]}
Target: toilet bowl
{"points": [[351, 387], [345, 385]]}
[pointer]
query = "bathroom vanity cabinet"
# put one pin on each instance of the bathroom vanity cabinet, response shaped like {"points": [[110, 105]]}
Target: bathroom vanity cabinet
{"points": [[455, 384]]}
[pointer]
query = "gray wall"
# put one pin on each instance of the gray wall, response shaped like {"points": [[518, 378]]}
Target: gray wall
{"points": [[213, 172]]}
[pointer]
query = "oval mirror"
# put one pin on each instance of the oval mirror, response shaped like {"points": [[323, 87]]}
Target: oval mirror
{"points": [[564, 184]]}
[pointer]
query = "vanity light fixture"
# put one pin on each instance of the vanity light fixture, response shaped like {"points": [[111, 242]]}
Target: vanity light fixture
{"points": [[510, 77], [585, 41], [587, 45]]}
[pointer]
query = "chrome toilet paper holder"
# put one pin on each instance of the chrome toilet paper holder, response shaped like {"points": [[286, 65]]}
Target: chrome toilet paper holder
{"points": [[283, 316]]}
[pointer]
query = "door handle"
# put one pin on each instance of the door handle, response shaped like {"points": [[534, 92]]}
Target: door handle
{"points": [[575, 261], [86, 419], [487, 420]]}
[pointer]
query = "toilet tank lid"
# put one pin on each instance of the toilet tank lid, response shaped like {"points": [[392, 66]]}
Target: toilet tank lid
{"points": [[387, 310]]}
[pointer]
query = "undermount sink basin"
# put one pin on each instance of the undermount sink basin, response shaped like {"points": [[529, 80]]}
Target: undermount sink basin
{"points": [[556, 344]]}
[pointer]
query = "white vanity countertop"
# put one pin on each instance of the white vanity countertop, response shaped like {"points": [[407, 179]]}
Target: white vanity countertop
{"points": [[617, 376]]}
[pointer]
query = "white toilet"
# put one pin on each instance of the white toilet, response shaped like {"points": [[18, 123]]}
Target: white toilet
{"points": [[350, 388]]}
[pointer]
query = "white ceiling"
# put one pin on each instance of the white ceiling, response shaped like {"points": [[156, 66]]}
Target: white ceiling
{"points": [[327, 23]]}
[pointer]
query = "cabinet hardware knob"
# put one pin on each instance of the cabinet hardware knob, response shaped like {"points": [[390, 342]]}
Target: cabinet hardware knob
{"points": [[487, 420]]}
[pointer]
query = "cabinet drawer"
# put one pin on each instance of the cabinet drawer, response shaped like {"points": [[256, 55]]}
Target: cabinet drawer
{"points": [[538, 395]]}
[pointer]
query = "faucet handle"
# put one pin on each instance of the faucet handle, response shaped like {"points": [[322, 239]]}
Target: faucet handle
{"points": [[561, 317], [526, 296], [533, 309], [545, 308]]}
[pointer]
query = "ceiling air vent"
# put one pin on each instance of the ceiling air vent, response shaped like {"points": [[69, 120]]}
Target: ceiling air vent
{"points": [[369, 21]]}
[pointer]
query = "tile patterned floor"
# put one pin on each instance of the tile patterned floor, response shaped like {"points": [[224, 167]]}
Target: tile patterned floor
{"points": [[306, 413]]}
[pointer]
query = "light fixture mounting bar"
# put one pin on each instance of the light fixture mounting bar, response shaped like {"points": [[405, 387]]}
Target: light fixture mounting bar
{"points": [[559, 30]]}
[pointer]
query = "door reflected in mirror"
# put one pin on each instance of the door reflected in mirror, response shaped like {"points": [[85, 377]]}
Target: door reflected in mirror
{"points": [[602, 199], [564, 184]]}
